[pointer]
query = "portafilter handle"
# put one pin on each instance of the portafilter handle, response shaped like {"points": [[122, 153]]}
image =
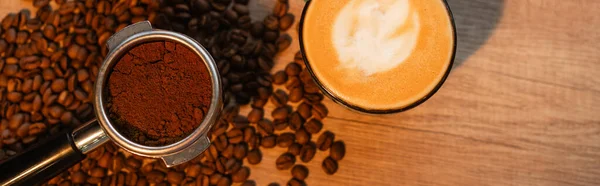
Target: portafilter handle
{"points": [[52, 156]]}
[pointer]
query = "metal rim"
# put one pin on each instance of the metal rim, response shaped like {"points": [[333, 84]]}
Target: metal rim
{"points": [[346, 104], [113, 57]]}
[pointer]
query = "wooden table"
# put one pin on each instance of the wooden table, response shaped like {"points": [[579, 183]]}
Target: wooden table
{"points": [[521, 106]]}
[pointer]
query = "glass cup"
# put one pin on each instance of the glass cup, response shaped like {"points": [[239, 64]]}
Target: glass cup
{"points": [[360, 109]]}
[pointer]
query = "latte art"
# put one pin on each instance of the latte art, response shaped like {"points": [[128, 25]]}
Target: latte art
{"points": [[378, 55], [375, 35]]}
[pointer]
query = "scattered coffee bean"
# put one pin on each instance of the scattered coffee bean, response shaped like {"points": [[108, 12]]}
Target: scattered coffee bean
{"points": [[254, 156], [285, 139], [300, 172], [329, 165], [280, 77], [286, 21], [308, 151], [269, 141], [313, 126], [285, 161], [325, 140], [338, 150], [241, 175], [279, 98]]}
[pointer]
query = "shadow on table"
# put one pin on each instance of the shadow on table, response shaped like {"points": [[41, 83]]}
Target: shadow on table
{"points": [[475, 21]]}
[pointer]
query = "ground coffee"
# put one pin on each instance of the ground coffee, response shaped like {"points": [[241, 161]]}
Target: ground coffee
{"points": [[159, 93]]}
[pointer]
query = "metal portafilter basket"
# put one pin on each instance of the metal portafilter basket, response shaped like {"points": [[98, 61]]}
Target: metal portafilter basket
{"points": [[58, 153]]}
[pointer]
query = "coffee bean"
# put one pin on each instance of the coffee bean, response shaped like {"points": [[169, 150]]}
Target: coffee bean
{"points": [[300, 172], [319, 111], [133, 164], [293, 69], [305, 110], [257, 29], [240, 151], [224, 181], [241, 175], [285, 139], [175, 177], [271, 22], [338, 150], [254, 156], [249, 183], [78, 177], [302, 136], [329, 165], [240, 121], [296, 121], [235, 136], [265, 127], [270, 36], [280, 78], [249, 133], [292, 83], [295, 149], [284, 42], [325, 140], [285, 161], [281, 8], [313, 126], [280, 124], [280, 113], [232, 165], [286, 22], [98, 172], [269, 141], [118, 162], [308, 152], [255, 115], [193, 170], [273, 184]]}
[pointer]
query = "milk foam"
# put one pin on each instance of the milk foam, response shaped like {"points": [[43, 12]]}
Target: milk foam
{"points": [[375, 35]]}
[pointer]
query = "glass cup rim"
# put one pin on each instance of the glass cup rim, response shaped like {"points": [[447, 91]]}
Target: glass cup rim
{"points": [[346, 104]]}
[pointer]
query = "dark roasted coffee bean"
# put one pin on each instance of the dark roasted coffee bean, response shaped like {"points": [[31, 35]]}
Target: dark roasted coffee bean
{"points": [[155, 176], [265, 127], [78, 177], [255, 115], [313, 126], [228, 152], [193, 170], [285, 161], [308, 152], [280, 124], [302, 136], [293, 69], [295, 121], [319, 111], [270, 36], [292, 83], [175, 177], [300, 172], [240, 121], [257, 29], [285, 139], [296, 94], [338, 150], [281, 8], [249, 183], [283, 42], [280, 78], [254, 156], [286, 22], [295, 149], [241, 175], [279, 98], [133, 164], [269, 141], [235, 136], [305, 110], [314, 98], [280, 113], [240, 151], [271, 22], [325, 140], [311, 87], [329, 165], [98, 172], [296, 182]]}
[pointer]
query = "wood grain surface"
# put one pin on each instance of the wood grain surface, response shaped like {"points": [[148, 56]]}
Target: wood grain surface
{"points": [[521, 106]]}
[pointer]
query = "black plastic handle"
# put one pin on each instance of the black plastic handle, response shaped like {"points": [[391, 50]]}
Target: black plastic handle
{"points": [[41, 162]]}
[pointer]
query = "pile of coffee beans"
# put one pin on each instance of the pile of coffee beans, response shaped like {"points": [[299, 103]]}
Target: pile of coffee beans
{"points": [[49, 62]]}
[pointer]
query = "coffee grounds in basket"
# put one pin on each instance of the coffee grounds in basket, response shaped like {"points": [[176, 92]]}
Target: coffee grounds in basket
{"points": [[159, 93]]}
